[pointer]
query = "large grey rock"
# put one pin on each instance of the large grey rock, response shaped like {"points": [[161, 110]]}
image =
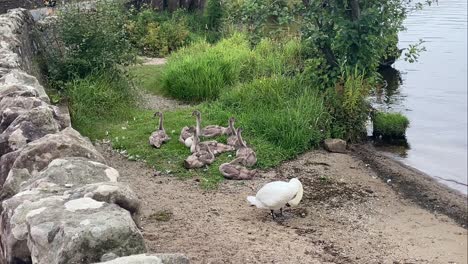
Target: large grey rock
{"points": [[19, 103], [71, 172], [15, 210], [14, 229], [14, 104], [25, 163], [28, 127], [112, 192], [335, 145], [17, 90], [23, 81], [150, 259], [81, 231]]}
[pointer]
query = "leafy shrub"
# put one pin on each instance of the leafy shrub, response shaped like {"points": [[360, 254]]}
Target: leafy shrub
{"points": [[202, 71], [89, 40], [260, 19], [347, 105], [158, 34], [390, 125], [103, 95], [214, 14]]}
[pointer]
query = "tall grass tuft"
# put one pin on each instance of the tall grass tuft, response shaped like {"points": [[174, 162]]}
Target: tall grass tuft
{"points": [[390, 125], [278, 110], [348, 106], [202, 71], [99, 96]]}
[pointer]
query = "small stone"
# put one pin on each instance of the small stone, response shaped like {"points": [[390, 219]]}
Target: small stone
{"points": [[335, 145]]}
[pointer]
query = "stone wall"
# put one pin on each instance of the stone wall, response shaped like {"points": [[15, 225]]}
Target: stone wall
{"points": [[9, 4], [61, 203]]}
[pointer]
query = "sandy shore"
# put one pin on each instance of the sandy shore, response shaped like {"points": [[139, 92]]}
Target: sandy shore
{"points": [[349, 214]]}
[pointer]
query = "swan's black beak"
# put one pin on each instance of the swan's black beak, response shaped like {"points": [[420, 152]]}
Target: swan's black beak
{"points": [[288, 205]]}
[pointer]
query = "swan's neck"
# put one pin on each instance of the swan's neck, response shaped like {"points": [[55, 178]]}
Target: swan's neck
{"points": [[196, 140], [237, 161], [161, 123], [231, 126], [298, 198], [239, 138], [197, 127]]}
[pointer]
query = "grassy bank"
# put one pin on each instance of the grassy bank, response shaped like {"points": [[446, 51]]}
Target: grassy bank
{"points": [[280, 119]]}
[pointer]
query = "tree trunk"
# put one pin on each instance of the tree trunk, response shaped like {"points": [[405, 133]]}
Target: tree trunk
{"points": [[355, 10]]}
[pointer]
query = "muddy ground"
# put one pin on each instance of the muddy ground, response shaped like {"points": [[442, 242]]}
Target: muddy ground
{"points": [[348, 215]]}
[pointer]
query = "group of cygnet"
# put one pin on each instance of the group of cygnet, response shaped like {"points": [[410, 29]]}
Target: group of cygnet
{"points": [[272, 196], [204, 152]]}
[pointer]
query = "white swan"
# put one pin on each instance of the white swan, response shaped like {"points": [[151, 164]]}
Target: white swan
{"points": [[275, 195]]}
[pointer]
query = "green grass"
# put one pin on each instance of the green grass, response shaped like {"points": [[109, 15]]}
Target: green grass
{"points": [[280, 115], [148, 77], [132, 135], [200, 72], [278, 110], [390, 125], [101, 97], [203, 72]]}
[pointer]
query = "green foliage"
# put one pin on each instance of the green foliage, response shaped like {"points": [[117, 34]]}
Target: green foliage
{"points": [[100, 96], [214, 15], [88, 40], [280, 115], [202, 71], [158, 34], [280, 110], [390, 125], [413, 51], [260, 19], [348, 106], [356, 33], [130, 133]]}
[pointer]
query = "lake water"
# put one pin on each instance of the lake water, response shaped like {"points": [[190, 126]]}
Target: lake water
{"points": [[433, 92]]}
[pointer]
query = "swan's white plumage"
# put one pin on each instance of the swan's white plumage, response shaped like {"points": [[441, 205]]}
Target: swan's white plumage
{"points": [[188, 142], [277, 194]]}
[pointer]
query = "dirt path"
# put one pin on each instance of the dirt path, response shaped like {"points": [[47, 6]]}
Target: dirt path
{"points": [[347, 215], [155, 102]]}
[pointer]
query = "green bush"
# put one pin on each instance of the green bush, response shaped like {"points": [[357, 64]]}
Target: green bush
{"points": [[263, 18], [158, 34], [347, 105], [88, 40], [100, 96], [390, 125], [214, 15], [202, 71]]}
